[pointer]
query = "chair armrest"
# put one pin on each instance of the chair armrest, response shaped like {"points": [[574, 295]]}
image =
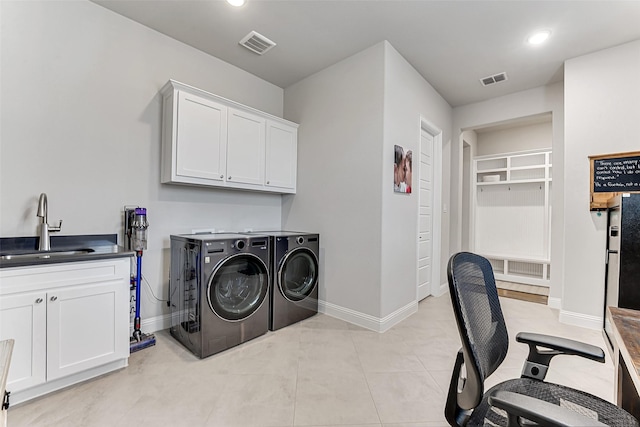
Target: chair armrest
{"points": [[539, 358], [541, 412]]}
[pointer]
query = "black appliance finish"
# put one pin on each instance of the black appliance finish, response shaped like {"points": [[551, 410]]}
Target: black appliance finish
{"points": [[294, 294], [219, 290], [622, 283], [294, 277]]}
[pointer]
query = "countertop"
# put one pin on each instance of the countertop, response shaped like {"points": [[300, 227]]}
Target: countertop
{"points": [[102, 246], [626, 326]]}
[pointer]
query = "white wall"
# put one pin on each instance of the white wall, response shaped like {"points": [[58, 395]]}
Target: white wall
{"points": [[515, 139], [351, 115], [408, 98], [545, 99], [80, 121], [602, 103], [340, 111]]}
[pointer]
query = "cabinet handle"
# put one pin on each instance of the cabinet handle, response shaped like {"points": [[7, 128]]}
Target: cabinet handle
{"points": [[267, 182], [39, 300], [53, 298], [229, 178], [221, 176]]}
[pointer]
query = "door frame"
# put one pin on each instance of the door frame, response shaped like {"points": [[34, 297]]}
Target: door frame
{"points": [[437, 288]]}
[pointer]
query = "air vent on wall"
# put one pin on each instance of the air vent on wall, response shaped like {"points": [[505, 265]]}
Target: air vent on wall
{"points": [[257, 43], [496, 78]]}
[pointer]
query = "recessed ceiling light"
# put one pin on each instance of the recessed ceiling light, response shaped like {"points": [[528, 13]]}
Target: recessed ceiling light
{"points": [[539, 37], [236, 3]]}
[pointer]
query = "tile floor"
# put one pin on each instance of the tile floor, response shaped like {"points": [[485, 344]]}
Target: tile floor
{"points": [[319, 372]]}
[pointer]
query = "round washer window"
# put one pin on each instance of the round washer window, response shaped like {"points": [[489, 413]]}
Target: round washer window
{"points": [[298, 274], [238, 287]]}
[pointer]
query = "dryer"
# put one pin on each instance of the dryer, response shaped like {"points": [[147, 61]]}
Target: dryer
{"points": [[219, 290], [294, 290]]}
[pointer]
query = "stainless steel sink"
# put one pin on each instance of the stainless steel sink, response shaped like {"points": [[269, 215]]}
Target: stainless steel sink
{"points": [[43, 254]]}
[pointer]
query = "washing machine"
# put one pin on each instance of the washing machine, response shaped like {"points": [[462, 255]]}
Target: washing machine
{"points": [[219, 290], [294, 277]]}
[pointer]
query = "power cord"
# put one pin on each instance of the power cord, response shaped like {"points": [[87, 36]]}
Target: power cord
{"points": [[151, 290]]}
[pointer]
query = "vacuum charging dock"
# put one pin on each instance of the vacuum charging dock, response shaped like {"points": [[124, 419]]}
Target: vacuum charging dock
{"points": [[135, 228]]}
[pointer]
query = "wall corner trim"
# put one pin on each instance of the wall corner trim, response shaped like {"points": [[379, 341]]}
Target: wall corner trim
{"points": [[555, 303], [582, 320], [366, 320]]}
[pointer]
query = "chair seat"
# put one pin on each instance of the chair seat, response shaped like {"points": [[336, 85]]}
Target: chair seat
{"points": [[576, 400]]}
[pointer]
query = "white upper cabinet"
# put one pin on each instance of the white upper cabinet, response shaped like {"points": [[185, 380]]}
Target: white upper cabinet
{"points": [[282, 154], [212, 141], [201, 133], [245, 148]]}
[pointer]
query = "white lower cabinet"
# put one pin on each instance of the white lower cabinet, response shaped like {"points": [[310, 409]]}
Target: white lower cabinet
{"points": [[70, 323], [23, 317]]}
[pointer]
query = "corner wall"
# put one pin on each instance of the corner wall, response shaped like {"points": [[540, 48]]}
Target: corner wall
{"points": [[340, 111], [351, 115], [408, 99], [602, 103]]}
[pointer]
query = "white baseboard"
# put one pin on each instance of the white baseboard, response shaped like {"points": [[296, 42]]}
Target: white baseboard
{"points": [[444, 288], [554, 303], [582, 320], [365, 320]]}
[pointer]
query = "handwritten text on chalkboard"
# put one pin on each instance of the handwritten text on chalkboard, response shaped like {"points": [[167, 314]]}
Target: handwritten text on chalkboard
{"points": [[616, 175]]}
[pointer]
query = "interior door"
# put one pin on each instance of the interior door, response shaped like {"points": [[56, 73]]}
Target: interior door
{"points": [[425, 219]]}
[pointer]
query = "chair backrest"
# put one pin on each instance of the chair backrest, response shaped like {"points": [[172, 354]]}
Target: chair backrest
{"points": [[483, 332]]}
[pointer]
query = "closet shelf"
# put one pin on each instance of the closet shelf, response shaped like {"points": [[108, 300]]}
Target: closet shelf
{"points": [[526, 167], [516, 181], [511, 215]]}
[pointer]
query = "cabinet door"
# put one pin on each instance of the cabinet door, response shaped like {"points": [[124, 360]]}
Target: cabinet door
{"points": [[281, 155], [245, 148], [201, 138], [87, 326], [23, 318]]}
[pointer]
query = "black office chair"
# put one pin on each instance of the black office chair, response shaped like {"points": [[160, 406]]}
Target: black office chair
{"points": [[484, 346]]}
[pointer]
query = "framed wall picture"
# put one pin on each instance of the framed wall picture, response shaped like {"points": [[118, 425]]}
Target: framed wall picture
{"points": [[402, 169]]}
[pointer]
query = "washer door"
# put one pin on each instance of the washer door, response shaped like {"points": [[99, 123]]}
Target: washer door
{"points": [[238, 287], [298, 274]]}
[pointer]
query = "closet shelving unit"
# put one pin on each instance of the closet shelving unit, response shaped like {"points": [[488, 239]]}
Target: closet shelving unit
{"points": [[512, 215]]}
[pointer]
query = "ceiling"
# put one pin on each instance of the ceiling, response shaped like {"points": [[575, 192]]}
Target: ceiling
{"points": [[452, 44]]}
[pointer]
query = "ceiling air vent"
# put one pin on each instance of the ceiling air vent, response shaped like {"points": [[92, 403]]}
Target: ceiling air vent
{"points": [[257, 43], [496, 78]]}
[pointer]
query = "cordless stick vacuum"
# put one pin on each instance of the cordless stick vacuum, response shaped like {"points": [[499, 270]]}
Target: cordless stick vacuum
{"points": [[136, 228]]}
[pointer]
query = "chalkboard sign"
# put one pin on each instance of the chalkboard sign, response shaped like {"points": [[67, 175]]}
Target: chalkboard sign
{"points": [[618, 175], [613, 174]]}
